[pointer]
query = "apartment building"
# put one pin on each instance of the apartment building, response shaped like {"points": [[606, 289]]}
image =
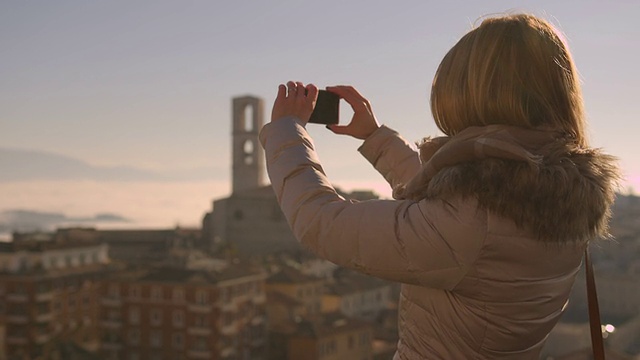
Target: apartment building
{"points": [[175, 313], [357, 295], [332, 337], [306, 289], [49, 294]]}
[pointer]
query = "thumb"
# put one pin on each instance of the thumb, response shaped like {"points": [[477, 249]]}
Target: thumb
{"points": [[339, 129]]}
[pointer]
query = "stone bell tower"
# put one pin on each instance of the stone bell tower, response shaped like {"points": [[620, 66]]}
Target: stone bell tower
{"points": [[248, 156]]}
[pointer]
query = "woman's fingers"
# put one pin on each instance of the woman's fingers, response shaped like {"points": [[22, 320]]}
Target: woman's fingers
{"points": [[363, 123], [340, 129], [351, 96], [291, 89], [282, 92], [300, 91], [312, 93], [295, 99]]}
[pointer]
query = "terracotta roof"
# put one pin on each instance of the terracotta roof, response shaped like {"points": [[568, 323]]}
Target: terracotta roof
{"points": [[350, 282], [184, 276], [22, 242], [329, 325], [275, 297], [289, 275], [148, 235]]}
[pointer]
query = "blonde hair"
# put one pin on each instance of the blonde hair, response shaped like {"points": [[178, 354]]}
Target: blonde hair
{"points": [[514, 70]]}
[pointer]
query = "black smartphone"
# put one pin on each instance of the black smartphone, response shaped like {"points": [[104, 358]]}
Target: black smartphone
{"points": [[327, 110]]}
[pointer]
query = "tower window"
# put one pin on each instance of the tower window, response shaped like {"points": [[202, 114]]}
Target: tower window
{"points": [[248, 118], [248, 147]]}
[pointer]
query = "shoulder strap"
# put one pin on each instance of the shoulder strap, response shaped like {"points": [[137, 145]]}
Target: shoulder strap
{"points": [[594, 310]]}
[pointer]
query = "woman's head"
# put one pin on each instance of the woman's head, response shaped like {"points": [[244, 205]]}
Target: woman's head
{"points": [[513, 70]]}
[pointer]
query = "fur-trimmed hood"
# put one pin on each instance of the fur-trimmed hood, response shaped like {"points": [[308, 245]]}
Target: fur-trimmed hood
{"points": [[565, 198]]}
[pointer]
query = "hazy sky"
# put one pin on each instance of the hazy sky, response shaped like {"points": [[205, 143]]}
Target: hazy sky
{"points": [[149, 84]]}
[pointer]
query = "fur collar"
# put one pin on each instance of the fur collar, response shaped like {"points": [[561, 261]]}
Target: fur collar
{"points": [[565, 198]]}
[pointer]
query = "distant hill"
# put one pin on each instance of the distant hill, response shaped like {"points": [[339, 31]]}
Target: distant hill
{"points": [[21, 165], [27, 220]]}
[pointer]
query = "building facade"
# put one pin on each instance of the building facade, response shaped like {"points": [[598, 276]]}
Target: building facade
{"points": [[174, 313], [49, 294], [357, 295]]}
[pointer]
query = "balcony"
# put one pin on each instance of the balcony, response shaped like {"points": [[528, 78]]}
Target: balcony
{"points": [[44, 296], [111, 323], [198, 330], [111, 346], [229, 307], [17, 319], [200, 308], [199, 354], [258, 342], [258, 320], [42, 338], [259, 299], [44, 317], [23, 297], [110, 301], [228, 351], [230, 329], [17, 340]]}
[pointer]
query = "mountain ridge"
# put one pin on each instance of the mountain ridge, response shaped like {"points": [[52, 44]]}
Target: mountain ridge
{"points": [[31, 164], [22, 220]]}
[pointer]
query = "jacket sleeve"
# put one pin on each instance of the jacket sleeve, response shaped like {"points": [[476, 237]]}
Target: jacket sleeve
{"points": [[430, 243], [394, 158]]}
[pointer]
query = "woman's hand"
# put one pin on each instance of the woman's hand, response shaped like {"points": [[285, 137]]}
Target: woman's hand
{"points": [[363, 123], [295, 100]]}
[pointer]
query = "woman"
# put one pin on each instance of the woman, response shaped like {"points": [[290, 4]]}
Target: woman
{"points": [[489, 223]]}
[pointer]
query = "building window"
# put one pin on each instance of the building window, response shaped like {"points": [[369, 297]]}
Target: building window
{"points": [[178, 294], [156, 293], [134, 291], [364, 339], [201, 343], [113, 315], [134, 336], [178, 318], [114, 291], [228, 318], [224, 293], [202, 321], [156, 317], [202, 297], [134, 315], [327, 348], [177, 341], [155, 338]]}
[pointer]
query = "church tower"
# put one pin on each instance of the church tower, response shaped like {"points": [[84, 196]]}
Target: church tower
{"points": [[247, 153]]}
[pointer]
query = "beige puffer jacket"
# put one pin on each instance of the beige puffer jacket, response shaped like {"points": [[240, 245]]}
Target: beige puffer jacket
{"points": [[475, 285]]}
